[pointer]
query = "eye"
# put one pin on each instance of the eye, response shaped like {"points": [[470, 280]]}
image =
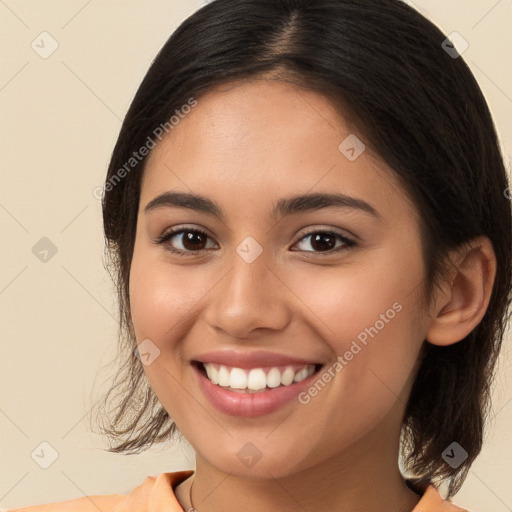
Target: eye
{"points": [[191, 241], [324, 241], [194, 240]]}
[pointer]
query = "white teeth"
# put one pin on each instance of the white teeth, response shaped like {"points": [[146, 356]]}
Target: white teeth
{"points": [[238, 379], [287, 376], [300, 375], [306, 372], [273, 378], [213, 373], [223, 376], [256, 379]]}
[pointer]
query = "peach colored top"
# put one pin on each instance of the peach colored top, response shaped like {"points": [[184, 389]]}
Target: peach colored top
{"points": [[156, 494]]}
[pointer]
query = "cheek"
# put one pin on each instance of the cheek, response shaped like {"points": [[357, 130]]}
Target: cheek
{"points": [[159, 301], [155, 304], [368, 316], [164, 302], [160, 296], [359, 301]]}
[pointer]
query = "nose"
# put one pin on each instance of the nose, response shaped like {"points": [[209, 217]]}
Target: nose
{"points": [[249, 297]]}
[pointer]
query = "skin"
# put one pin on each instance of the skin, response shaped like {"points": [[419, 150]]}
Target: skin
{"points": [[245, 146]]}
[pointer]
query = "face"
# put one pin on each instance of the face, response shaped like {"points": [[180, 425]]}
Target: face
{"points": [[269, 290]]}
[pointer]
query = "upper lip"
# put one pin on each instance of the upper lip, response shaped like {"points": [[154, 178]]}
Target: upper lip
{"points": [[253, 359]]}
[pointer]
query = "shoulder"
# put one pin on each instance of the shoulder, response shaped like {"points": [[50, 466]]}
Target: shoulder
{"points": [[431, 501], [84, 504], [151, 492]]}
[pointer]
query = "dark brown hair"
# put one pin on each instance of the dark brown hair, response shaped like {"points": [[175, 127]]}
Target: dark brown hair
{"points": [[418, 108]]}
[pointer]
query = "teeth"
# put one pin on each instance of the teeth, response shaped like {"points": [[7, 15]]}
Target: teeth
{"points": [[213, 373], [223, 376], [273, 378], [287, 376], [256, 379], [301, 375], [238, 379]]}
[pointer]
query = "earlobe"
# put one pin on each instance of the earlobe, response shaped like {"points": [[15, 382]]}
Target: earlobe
{"points": [[466, 294]]}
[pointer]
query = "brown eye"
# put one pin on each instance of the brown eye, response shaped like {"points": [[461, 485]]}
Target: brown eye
{"points": [[325, 242], [193, 240], [185, 241]]}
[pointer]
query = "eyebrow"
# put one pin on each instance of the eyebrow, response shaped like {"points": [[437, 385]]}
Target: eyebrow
{"points": [[283, 207]]}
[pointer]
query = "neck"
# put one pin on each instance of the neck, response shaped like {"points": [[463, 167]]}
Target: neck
{"points": [[360, 480]]}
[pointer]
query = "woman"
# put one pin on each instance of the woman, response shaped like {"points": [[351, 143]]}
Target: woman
{"points": [[307, 216]]}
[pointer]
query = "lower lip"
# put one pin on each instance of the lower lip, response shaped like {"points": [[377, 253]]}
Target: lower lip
{"points": [[250, 404]]}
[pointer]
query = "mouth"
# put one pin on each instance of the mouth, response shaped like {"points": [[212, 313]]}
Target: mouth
{"points": [[253, 392], [255, 380]]}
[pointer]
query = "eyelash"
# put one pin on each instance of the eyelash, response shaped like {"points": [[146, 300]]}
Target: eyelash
{"points": [[166, 237]]}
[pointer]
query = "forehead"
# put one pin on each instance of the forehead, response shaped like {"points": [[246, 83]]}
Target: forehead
{"points": [[252, 140]]}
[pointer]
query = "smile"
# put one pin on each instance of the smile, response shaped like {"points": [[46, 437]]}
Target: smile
{"points": [[254, 390], [256, 379]]}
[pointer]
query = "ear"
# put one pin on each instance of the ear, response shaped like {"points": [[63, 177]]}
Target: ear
{"points": [[465, 295]]}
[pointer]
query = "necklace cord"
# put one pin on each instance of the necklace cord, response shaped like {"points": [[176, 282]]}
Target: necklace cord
{"points": [[192, 508]]}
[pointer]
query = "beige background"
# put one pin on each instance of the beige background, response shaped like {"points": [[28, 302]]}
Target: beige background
{"points": [[60, 120]]}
